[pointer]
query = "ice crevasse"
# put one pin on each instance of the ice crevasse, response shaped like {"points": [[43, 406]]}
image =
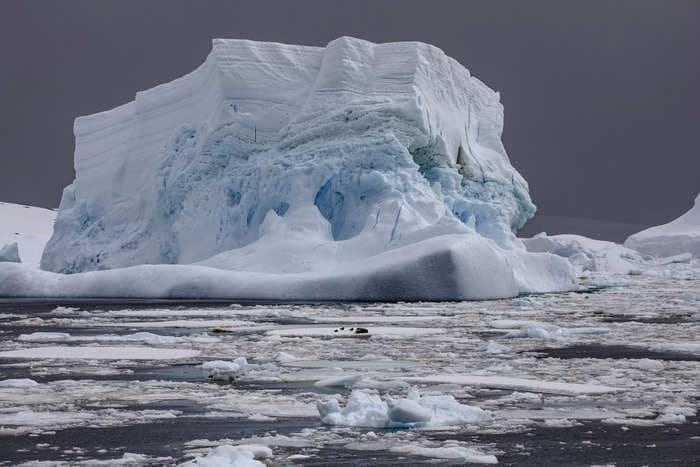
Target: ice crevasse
{"points": [[351, 171]]}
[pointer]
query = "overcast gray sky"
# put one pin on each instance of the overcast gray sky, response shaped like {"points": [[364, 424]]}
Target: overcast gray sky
{"points": [[602, 98]]}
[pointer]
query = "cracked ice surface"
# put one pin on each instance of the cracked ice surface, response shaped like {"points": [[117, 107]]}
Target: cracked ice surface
{"points": [[623, 357]]}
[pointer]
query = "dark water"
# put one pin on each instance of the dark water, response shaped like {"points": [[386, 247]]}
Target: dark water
{"points": [[589, 443]]}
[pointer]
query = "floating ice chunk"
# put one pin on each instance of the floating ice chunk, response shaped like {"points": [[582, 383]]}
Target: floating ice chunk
{"points": [[682, 347], [284, 357], [243, 455], [145, 337], [539, 330], [494, 347], [44, 337], [222, 367], [18, 383], [448, 451], [99, 353], [370, 410], [518, 384], [345, 381], [9, 253], [362, 409], [649, 364]]}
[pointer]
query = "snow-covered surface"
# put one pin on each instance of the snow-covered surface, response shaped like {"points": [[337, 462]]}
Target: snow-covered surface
{"points": [[681, 235], [355, 171], [497, 370], [30, 227]]}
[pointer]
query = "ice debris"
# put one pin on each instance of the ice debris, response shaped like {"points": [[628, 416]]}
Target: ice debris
{"points": [[368, 409], [226, 455]]}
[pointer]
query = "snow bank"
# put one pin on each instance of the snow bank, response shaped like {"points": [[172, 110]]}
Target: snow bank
{"points": [[227, 455], [367, 409], [355, 171], [679, 236], [27, 226]]}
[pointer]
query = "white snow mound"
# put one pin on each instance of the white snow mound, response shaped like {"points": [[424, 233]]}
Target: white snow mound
{"points": [[351, 171], [679, 236]]}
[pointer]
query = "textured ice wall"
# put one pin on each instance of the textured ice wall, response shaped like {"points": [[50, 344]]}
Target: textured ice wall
{"points": [[364, 147]]}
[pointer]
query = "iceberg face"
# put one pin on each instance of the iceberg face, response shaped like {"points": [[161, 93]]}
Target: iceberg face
{"points": [[353, 169], [679, 236]]}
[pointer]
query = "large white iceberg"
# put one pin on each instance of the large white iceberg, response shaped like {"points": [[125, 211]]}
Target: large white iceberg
{"points": [[679, 236], [351, 171]]}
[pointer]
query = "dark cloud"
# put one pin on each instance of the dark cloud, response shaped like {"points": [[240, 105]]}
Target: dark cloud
{"points": [[601, 98]]}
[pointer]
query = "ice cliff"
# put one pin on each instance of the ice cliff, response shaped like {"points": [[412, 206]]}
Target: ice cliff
{"points": [[307, 169]]}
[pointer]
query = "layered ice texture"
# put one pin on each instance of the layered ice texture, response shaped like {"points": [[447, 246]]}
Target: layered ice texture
{"points": [[679, 236], [351, 171]]}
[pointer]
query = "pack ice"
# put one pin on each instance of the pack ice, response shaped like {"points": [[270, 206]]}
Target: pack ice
{"points": [[351, 171], [679, 236]]}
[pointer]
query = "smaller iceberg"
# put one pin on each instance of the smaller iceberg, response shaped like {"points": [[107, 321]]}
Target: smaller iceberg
{"points": [[368, 409], [679, 236]]}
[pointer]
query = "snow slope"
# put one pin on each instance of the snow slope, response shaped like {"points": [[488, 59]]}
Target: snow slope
{"points": [[356, 170], [30, 227], [679, 236]]}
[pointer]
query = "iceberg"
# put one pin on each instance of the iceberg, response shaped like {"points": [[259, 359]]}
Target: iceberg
{"points": [[355, 171], [587, 254], [10, 253], [29, 228], [679, 236]]}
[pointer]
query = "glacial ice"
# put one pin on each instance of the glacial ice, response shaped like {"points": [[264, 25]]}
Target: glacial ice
{"points": [[351, 171], [679, 236]]}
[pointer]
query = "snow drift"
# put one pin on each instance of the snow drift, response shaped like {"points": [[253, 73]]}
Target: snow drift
{"points": [[679, 236], [354, 171]]}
